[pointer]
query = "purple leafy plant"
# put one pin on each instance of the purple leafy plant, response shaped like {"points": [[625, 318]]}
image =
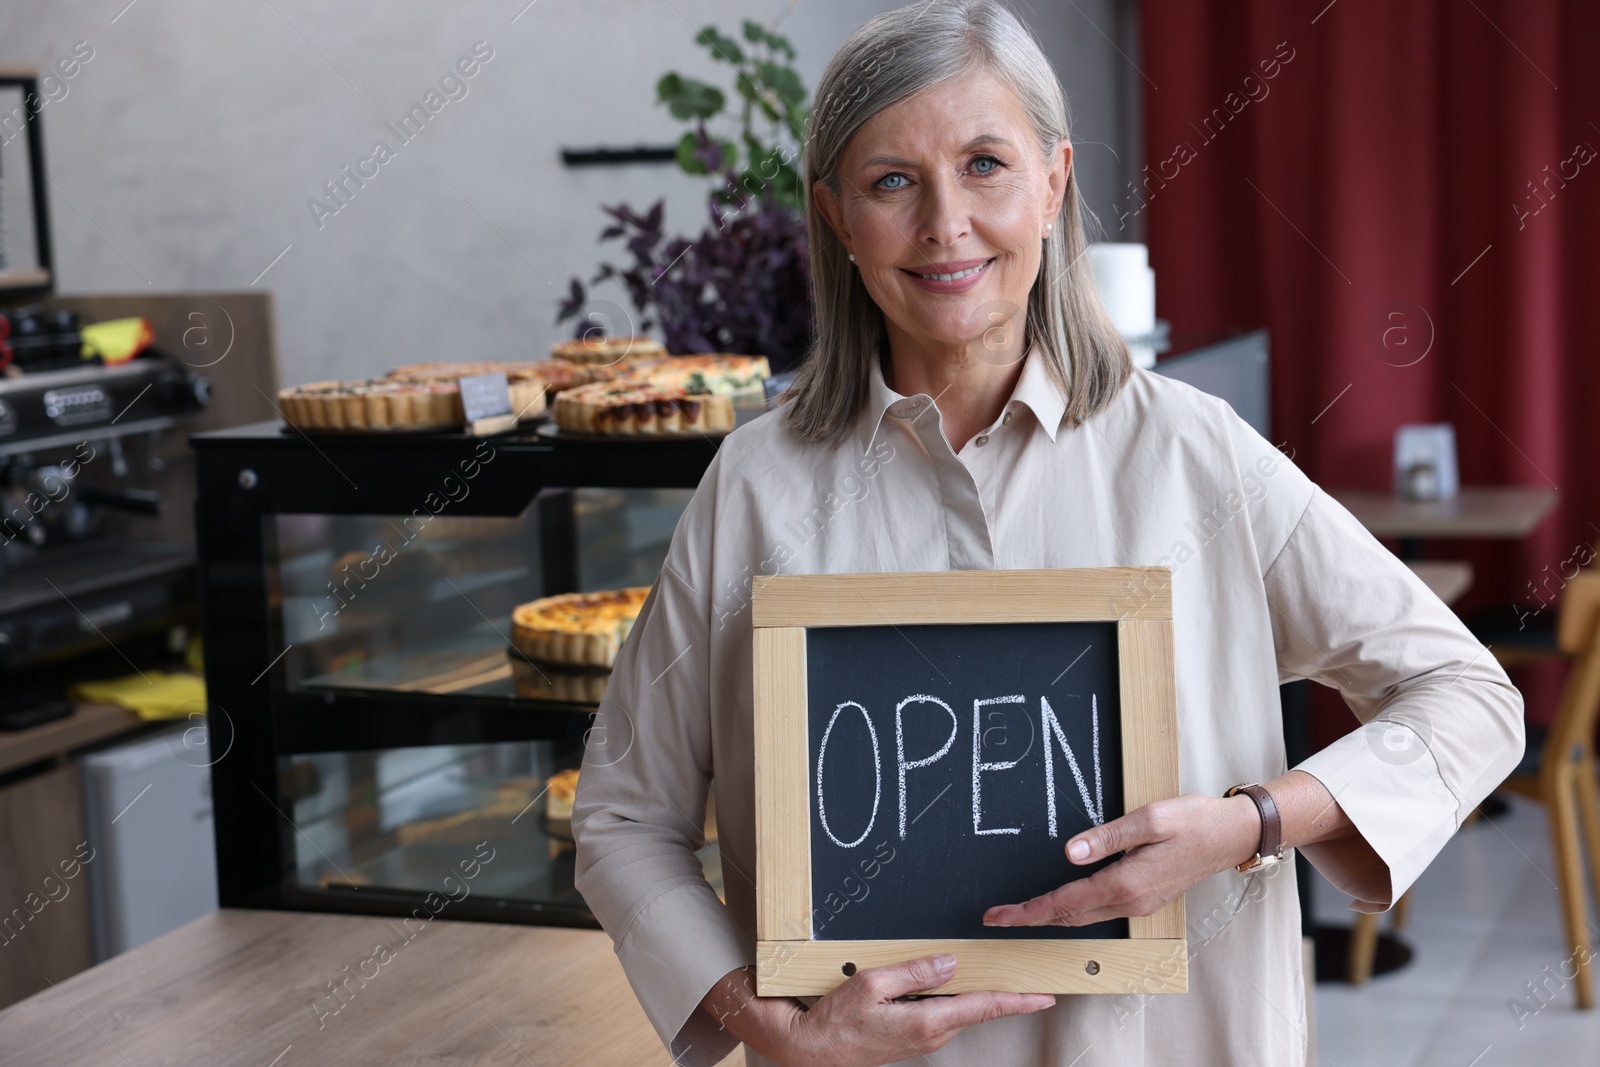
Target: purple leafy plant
{"points": [[742, 285]]}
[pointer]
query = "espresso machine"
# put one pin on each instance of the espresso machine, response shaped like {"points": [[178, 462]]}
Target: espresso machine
{"points": [[78, 459]]}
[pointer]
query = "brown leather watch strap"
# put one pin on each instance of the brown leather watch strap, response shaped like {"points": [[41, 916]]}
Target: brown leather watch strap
{"points": [[1271, 846]]}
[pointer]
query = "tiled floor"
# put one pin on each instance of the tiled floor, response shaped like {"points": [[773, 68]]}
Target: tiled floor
{"points": [[1483, 922]]}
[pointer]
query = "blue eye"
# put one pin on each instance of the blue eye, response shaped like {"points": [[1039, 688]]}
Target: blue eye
{"points": [[976, 164], [881, 182]]}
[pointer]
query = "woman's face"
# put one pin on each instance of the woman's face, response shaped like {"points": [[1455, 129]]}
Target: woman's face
{"points": [[949, 182]]}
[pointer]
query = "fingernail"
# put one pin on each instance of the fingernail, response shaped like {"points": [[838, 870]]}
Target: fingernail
{"points": [[1078, 850], [944, 963]]}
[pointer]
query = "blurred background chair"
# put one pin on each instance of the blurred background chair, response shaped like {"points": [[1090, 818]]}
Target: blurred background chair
{"points": [[1558, 770], [1364, 939]]}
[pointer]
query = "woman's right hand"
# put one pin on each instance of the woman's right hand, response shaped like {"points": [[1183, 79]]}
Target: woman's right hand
{"points": [[862, 1023]]}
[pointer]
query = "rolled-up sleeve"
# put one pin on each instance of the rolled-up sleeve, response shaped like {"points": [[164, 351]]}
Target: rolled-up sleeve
{"points": [[640, 810], [1441, 724]]}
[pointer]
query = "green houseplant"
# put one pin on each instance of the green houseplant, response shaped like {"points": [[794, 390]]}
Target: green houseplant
{"points": [[741, 285]]}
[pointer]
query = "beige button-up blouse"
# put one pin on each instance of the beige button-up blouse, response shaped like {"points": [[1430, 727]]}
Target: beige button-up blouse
{"points": [[1272, 581]]}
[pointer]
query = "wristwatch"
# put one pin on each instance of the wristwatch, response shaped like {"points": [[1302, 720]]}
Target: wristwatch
{"points": [[1270, 849]]}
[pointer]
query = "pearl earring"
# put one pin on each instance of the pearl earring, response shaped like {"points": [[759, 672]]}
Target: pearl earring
{"points": [[852, 257], [1048, 227]]}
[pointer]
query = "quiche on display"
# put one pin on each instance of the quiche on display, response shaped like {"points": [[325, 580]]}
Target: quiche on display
{"points": [[528, 386], [372, 405], [635, 407], [560, 791], [650, 393], [607, 350], [584, 629], [716, 372], [558, 374], [426, 398], [620, 386]]}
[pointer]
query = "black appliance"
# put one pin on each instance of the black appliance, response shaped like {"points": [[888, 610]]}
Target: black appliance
{"points": [[76, 575]]}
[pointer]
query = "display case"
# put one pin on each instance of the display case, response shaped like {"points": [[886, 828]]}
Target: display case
{"points": [[371, 732]]}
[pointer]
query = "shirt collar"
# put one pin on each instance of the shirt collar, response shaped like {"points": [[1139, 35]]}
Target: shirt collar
{"points": [[1034, 390], [1041, 395]]}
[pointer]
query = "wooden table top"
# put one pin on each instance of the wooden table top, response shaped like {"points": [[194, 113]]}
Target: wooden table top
{"points": [[251, 989], [1477, 511]]}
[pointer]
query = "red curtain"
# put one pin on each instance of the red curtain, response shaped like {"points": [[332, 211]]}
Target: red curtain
{"points": [[1407, 194]]}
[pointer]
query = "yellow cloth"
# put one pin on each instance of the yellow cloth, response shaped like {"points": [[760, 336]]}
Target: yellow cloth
{"points": [[117, 340], [152, 695]]}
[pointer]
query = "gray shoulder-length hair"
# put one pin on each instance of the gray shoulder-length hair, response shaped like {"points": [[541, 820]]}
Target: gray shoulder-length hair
{"points": [[889, 58]]}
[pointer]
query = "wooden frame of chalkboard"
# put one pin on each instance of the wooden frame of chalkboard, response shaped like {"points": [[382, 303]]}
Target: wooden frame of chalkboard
{"points": [[792, 960]]}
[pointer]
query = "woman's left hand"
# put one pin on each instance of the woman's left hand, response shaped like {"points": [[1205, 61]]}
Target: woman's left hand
{"points": [[1170, 845]]}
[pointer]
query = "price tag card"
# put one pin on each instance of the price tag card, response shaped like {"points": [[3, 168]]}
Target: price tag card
{"points": [[485, 396]]}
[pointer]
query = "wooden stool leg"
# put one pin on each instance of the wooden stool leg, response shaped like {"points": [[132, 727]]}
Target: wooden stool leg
{"points": [[1589, 809], [1569, 876], [1401, 911], [1363, 949]]}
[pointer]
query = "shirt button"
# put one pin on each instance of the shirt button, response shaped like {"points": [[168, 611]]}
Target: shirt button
{"points": [[981, 440], [1006, 419]]}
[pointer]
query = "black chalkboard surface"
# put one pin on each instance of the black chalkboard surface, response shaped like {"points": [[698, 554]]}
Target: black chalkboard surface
{"points": [[949, 766]]}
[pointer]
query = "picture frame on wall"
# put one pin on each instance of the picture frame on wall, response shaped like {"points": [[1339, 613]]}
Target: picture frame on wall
{"points": [[26, 255]]}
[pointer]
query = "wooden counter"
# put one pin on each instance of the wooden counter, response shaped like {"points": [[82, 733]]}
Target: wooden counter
{"points": [[41, 824], [87, 725], [251, 988]]}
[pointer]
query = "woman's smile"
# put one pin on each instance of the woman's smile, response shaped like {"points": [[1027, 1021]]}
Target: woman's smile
{"points": [[957, 276]]}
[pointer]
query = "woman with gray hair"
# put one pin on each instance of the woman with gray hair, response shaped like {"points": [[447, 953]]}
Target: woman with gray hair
{"points": [[968, 405]]}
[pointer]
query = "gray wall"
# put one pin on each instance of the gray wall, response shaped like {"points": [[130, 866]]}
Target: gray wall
{"points": [[184, 153]]}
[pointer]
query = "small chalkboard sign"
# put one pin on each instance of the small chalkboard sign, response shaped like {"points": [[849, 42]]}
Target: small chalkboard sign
{"points": [[486, 403], [926, 744]]}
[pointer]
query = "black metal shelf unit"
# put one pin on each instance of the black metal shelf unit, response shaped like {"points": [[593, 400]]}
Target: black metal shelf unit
{"points": [[249, 476]]}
